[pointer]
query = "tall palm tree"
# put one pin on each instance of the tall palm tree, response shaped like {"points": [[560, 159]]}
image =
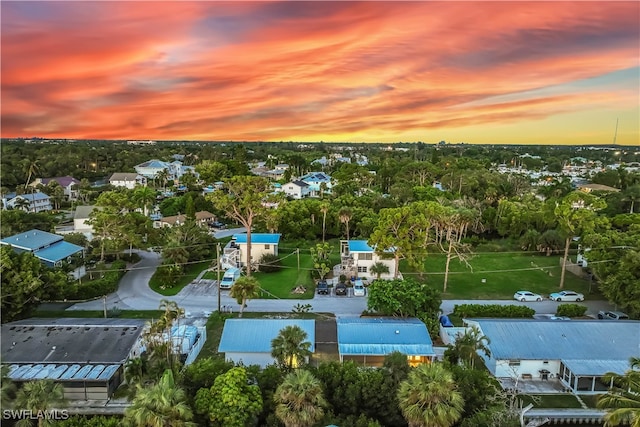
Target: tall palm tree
{"points": [[468, 345], [291, 347], [31, 167], [324, 208], [428, 397], [345, 216], [41, 395], [144, 196], [245, 288], [622, 401], [299, 400], [161, 405], [163, 176], [379, 268]]}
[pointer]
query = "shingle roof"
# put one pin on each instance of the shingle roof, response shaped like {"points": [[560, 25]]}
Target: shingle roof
{"points": [[529, 339], [31, 240], [83, 212], [124, 176], [255, 335], [260, 238], [382, 336]]}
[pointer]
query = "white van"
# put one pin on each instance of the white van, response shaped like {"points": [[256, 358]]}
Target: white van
{"points": [[229, 278]]}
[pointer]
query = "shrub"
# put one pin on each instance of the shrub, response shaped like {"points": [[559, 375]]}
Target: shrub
{"points": [[493, 310], [571, 310], [107, 284], [269, 263]]}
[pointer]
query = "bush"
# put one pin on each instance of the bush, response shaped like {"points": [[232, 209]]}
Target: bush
{"points": [[107, 284], [493, 310], [269, 263], [571, 310]]}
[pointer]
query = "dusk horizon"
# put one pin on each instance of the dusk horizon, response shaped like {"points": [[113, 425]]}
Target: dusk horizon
{"points": [[516, 73]]}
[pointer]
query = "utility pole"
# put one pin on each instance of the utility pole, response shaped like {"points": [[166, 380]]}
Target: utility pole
{"points": [[218, 265], [104, 305], [298, 252]]}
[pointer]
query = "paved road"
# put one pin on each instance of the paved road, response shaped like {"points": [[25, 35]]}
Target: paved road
{"points": [[200, 296]]}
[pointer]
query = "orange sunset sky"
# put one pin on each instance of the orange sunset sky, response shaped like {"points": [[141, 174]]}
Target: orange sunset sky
{"points": [[476, 72]]}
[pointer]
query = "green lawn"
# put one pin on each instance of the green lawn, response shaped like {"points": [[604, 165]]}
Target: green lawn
{"points": [[279, 284], [191, 271], [124, 314], [503, 275], [551, 401]]}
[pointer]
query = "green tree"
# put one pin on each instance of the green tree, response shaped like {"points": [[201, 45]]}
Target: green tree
{"points": [[244, 289], [468, 345], [324, 209], [379, 268], [7, 387], [345, 215], [231, 401], [243, 202], [632, 195], [320, 255], [211, 171], [622, 401], [291, 347], [576, 216], [161, 405], [90, 421], [300, 401], [144, 197], [40, 395], [429, 397]]}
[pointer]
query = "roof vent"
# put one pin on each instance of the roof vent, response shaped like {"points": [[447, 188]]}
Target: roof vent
{"points": [[397, 331]]}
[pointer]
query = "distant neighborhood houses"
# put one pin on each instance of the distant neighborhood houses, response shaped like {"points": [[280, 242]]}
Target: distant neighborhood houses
{"points": [[175, 170], [312, 184], [203, 218]]}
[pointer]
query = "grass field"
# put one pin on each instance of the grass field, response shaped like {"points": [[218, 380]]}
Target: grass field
{"points": [[191, 271], [279, 284], [498, 276]]}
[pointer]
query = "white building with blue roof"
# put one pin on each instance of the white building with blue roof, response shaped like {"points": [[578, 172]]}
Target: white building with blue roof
{"points": [[248, 341], [33, 202], [49, 248], [368, 340], [577, 353], [235, 252], [319, 183], [357, 258]]}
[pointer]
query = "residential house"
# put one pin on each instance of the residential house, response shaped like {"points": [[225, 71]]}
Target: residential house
{"points": [[203, 219], [248, 341], [319, 183], [152, 168], [81, 220], [357, 257], [235, 252], [127, 180], [576, 354], [368, 340], [49, 248], [68, 183], [34, 202], [296, 189]]}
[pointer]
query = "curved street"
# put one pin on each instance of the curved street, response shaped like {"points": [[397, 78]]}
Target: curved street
{"points": [[201, 296]]}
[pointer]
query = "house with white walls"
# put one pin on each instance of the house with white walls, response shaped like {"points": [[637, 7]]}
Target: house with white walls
{"points": [[357, 258], [235, 252]]}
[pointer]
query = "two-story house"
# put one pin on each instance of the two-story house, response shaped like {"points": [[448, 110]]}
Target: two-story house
{"points": [[235, 252], [68, 183], [319, 183], [127, 180], [296, 189], [203, 218], [357, 258], [34, 202]]}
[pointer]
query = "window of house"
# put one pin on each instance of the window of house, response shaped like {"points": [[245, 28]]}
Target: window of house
{"points": [[545, 362], [362, 269], [514, 363], [365, 257], [267, 246]]}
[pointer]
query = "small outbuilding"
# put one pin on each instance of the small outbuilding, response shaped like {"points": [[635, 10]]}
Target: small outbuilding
{"points": [[248, 341], [368, 340]]}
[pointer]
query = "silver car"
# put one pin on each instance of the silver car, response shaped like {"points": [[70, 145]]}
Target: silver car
{"points": [[567, 296], [526, 296]]}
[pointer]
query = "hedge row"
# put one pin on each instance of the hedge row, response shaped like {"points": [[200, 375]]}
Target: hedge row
{"points": [[492, 310], [102, 286], [571, 310]]}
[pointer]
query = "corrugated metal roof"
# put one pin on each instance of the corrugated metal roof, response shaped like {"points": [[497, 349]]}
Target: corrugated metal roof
{"points": [[95, 372], [596, 367], [32, 239], [62, 372], [359, 246], [524, 339], [259, 238], [255, 335], [57, 252], [382, 336]]}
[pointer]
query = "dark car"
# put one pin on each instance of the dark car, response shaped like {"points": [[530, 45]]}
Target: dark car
{"points": [[612, 315], [322, 288], [217, 224], [341, 289]]}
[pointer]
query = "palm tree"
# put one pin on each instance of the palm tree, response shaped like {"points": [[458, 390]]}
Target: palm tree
{"points": [[134, 371], [163, 176], [428, 397], [291, 347], [324, 208], [30, 167], [22, 203], [622, 402], [345, 216], [7, 386], [245, 288], [144, 196], [299, 400], [39, 396], [468, 345], [163, 404], [379, 268]]}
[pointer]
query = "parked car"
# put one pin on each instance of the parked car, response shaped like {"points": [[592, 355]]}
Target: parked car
{"points": [[341, 289], [527, 296], [612, 315], [358, 288], [217, 224], [322, 288], [566, 296]]}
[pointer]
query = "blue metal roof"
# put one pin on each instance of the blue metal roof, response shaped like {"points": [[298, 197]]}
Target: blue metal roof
{"points": [[95, 372], [529, 339], [255, 335], [58, 251], [69, 373], [62, 372], [32, 239], [382, 336], [33, 196], [596, 367], [359, 246], [259, 238]]}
